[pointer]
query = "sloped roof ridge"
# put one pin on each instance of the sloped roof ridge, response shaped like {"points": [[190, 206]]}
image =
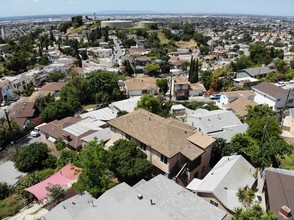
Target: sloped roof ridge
{"points": [[234, 157]]}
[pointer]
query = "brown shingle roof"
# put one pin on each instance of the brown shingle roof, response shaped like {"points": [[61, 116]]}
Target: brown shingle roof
{"points": [[167, 136], [270, 90], [235, 94], [143, 58], [54, 86], [201, 140], [239, 106], [22, 110], [180, 80], [280, 187], [142, 83]]}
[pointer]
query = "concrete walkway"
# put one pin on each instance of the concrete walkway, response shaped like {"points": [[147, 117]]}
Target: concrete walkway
{"points": [[33, 213]]}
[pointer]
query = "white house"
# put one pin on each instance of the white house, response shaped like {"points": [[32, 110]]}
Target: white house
{"points": [[272, 95], [37, 77], [5, 90], [221, 184], [100, 52], [228, 97], [18, 83], [218, 123]]}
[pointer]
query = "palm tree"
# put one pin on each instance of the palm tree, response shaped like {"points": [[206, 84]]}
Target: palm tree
{"points": [[241, 194], [246, 196]]}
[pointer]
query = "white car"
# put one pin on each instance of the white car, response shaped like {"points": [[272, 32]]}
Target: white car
{"points": [[35, 132], [281, 84]]}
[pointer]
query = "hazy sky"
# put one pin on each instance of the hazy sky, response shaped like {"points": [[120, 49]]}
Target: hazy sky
{"points": [[43, 7]]}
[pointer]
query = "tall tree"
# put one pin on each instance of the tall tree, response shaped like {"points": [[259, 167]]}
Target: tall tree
{"points": [[128, 162], [149, 103], [95, 177], [191, 70]]}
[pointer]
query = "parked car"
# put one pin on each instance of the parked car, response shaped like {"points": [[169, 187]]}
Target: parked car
{"points": [[182, 98], [4, 103], [35, 132], [281, 84]]}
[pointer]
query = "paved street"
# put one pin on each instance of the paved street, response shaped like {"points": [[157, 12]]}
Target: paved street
{"points": [[118, 51]]}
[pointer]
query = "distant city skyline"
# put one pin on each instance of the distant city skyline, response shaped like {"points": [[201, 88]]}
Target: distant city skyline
{"points": [[10, 8]]}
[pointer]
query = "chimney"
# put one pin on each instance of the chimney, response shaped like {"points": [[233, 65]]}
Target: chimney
{"points": [[152, 203]]}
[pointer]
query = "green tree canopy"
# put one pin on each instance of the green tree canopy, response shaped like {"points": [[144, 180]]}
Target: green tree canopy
{"points": [[162, 85], [243, 144], [259, 111], [58, 110], [4, 190], [42, 101], [128, 162], [149, 103], [55, 76], [56, 193], [103, 86], [152, 69], [263, 127], [220, 148], [68, 156], [95, 177], [77, 21], [253, 213], [259, 54], [33, 157]]}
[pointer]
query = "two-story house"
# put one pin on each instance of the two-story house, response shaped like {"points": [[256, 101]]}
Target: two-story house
{"points": [[181, 87], [173, 147], [272, 95]]}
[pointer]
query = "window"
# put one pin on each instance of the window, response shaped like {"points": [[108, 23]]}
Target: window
{"points": [[195, 163], [163, 159], [196, 175], [203, 169], [290, 101], [143, 146]]}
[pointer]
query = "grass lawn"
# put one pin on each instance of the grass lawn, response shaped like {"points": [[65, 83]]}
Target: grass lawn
{"points": [[10, 206], [77, 30], [97, 24], [86, 107], [2, 69], [162, 38], [188, 44], [288, 162]]}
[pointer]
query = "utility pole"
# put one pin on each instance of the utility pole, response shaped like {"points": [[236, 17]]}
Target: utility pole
{"points": [[170, 86], [9, 125]]}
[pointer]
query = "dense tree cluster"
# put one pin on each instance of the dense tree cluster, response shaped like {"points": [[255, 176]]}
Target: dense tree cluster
{"points": [[128, 162], [33, 157], [98, 86], [261, 145]]}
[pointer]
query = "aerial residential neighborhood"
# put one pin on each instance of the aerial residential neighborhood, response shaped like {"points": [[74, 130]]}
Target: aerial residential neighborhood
{"points": [[166, 112]]}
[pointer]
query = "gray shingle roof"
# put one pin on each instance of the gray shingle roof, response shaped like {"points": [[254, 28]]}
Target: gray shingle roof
{"points": [[9, 174], [258, 71], [169, 201], [226, 177], [280, 189], [270, 90], [212, 121]]}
